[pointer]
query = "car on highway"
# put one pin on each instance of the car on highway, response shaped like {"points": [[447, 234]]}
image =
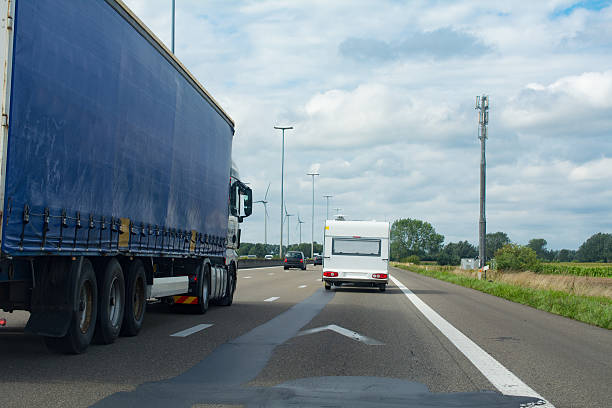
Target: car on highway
{"points": [[318, 259], [268, 257], [295, 259]]}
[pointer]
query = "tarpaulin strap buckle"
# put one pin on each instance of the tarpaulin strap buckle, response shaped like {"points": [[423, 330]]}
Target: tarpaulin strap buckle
{"points": [[26, 219]]}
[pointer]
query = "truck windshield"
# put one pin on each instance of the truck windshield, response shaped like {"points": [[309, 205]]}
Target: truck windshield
{"points": [[356, 246]]}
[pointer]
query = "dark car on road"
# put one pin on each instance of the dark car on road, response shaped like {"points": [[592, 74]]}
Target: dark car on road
{"points": [[295, 259], [318, 259]]}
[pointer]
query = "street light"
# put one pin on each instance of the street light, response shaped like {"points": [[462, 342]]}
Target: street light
{"points": [[312, 219], [173, 1], [327, 197], [283, 128]]}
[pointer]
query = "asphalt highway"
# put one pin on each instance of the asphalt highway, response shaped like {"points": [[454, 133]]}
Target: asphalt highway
{"points": [[286, 341]]}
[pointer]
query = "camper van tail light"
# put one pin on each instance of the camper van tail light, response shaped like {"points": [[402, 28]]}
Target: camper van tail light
{"points": [[356, 236], [330, 274], [380, 276]]}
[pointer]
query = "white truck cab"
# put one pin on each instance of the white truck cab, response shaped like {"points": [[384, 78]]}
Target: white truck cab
{"points": [[357, 253]]}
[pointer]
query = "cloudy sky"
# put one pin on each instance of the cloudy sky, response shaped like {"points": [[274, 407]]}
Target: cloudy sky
{"points": [[381, 95]]}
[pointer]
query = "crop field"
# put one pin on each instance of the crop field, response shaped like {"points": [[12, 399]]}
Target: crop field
{"points": [[597, 270]]}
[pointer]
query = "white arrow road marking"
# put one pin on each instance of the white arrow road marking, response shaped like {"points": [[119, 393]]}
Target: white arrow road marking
{"points": [[503, 379], [194, 329], [302, 286], [345, 332], [272, 299]]}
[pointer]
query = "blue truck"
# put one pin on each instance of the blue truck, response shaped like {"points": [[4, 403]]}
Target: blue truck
{"points": [[116, 177]]}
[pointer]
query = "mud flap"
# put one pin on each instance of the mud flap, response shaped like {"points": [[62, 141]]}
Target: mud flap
{"points": [[54, 296]]}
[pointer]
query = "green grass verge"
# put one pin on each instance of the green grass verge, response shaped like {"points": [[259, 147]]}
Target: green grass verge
{"points": [[588, 309]]}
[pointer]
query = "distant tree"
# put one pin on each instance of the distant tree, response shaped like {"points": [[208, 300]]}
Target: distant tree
{"points": [[414, 237], [565, 255], [597, 248], [516, 257], [452, 253], [539, 246], [494, 242]]}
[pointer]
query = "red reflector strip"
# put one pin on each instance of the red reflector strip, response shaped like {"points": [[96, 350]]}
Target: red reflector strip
{"points": [[186, 300]]}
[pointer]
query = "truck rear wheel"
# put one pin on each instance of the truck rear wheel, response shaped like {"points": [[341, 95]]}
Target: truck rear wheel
{"points": [[111, 303], [135, 299], [203, 288], [228, 297], [83, 322]]}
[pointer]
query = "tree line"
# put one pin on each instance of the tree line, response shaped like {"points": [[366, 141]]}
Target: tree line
{"points": [[416, 239]]}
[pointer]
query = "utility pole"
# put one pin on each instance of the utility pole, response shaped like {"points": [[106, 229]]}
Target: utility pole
{"points": [[283, 128], [327, 197], [482, 105], [173, 1], [312, 219]]}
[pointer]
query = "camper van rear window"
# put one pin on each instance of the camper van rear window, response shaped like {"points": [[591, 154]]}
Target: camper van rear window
{"points": [[356, 246]]}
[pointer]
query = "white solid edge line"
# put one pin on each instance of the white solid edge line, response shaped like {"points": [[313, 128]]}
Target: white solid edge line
{"points": [[271, 299], [503, 379], [194, 329]]}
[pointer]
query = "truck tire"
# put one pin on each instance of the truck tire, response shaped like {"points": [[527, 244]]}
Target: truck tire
{"points": [[111, 303], [203, 288], [135, 299], [230, 288], [83, 322]]}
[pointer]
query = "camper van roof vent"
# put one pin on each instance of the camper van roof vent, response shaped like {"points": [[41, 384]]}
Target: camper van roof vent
{"points": [[340, 217]]}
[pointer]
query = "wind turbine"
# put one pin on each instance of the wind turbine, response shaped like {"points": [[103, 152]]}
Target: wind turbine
{"points": [[287, 215], [300, 222], [265, 204]]}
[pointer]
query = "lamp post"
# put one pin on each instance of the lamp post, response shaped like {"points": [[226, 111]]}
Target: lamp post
{"points": [[283, 128], [173, 7], [327, 197], [312, 219]]}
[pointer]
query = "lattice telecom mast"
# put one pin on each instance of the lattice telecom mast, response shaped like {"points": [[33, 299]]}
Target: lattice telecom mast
{"points": [[482, 105]]}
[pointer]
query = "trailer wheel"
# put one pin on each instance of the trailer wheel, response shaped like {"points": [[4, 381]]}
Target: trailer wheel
{"points": [[83, 322], [203, 288], [135, 296], [111, 303], [228, 298], [327, 286], [382, 288]]}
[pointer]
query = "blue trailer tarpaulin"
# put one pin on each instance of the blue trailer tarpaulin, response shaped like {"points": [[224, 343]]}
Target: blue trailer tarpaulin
{"points": [[104, 127]]}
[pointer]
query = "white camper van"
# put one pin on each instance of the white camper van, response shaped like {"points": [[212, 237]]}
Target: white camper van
{"points": [[356, 252]]}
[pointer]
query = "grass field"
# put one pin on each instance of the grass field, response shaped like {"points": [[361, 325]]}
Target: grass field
{"points": [[595, 310], [597, 270]]}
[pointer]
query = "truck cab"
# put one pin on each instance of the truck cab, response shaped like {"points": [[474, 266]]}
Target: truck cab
{"points": [[356, 253], [240, 207]]}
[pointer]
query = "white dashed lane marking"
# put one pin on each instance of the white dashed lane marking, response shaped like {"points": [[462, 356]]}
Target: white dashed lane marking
{"points": [[302, 286], [271, 299], [194, 329]]}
